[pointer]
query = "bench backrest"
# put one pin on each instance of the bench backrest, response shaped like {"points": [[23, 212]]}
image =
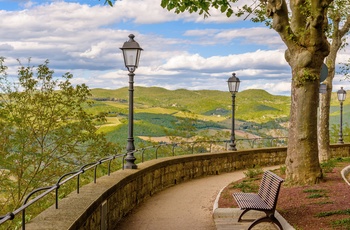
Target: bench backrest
{"points": [[269, 188]]}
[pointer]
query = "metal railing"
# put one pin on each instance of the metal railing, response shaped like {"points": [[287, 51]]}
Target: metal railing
{"points": [[174, 148]]}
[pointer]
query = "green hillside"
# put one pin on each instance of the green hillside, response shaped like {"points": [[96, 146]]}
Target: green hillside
{"points": [[158, 109], [251, 105]]}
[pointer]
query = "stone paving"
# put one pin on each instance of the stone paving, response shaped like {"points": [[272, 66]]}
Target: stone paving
{"points": [[192, 205]]}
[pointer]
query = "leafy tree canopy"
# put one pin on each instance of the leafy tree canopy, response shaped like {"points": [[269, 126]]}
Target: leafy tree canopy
{"points": [[44, 131]]}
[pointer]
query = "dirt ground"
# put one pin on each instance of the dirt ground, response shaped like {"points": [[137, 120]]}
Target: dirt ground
{"points": [[302, 205]]}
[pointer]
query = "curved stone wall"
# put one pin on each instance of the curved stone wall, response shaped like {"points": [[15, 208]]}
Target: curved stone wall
{"points": [[102, 205]]}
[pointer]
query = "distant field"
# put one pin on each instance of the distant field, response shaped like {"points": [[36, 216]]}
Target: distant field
{"points": [[257, 112], [156, 110], [112, 123]]}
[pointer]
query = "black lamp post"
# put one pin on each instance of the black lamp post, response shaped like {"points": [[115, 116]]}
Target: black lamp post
{"points": [[131, 53], [233, 86], [341, 97]]}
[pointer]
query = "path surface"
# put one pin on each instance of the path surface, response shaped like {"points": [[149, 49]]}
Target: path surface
{"points": [[185, 206]]}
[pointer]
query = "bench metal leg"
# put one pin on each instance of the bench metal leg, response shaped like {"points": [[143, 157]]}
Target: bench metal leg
{"points": [[244, 212], [269, 218]]}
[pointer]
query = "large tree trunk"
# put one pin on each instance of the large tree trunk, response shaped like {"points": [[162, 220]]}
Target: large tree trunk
{"points": [[325, 99], [324, 105], [302, 155], [307, 47], [323, 126]]}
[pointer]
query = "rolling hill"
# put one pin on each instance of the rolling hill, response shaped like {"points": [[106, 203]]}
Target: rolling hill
{"points": [[158, 109]]}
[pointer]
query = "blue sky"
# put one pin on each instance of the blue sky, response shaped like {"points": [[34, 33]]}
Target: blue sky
{"points": [[180, 51]]}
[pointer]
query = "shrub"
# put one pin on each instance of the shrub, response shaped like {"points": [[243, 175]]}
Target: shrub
{"points": [[253, 172]]}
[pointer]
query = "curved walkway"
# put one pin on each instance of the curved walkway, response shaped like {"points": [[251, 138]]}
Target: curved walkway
{"points": [[188, 205]]}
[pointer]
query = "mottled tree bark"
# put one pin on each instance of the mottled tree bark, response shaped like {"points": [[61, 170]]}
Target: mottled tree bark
{"points": [[307, 46], [325, 99]]}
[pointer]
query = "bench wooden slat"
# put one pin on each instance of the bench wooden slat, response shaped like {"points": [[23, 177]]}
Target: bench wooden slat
{"points": [[265, 200]]}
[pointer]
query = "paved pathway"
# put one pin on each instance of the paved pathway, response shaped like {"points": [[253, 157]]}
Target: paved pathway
{"points": [[188, 205]]}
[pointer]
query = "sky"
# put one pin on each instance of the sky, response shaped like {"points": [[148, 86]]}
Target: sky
{"points": [[187, 51]]}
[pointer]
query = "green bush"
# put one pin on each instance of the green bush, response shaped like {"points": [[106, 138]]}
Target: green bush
{"points": [[283, 169], [253, 172], [328, 166], [247, 186]]}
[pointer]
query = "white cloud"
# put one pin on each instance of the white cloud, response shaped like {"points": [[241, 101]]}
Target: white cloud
{"points": [[257, 59], [85, 41]]}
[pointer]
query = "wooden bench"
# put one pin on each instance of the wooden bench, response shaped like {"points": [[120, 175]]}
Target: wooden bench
{"points": [[265, 200]]}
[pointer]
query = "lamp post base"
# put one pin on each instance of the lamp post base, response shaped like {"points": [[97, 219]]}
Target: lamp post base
{"points": [[232, 147], [130, 165], [130, 159]]}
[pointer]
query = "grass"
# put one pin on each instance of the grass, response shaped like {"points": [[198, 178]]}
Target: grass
{"points": [[316, 195], [344, 223], [328, 166], [247, 187], [336, 212], [253, 172]]}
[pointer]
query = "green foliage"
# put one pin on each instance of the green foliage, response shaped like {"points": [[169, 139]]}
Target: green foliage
{"points": [[328, 166], [45, 131], [247, 186], [313, 190], [315, 193], [307, 76], [344, 223], [331, 213], [283, 169], [108, 2], [253, 172], [184, 128]]}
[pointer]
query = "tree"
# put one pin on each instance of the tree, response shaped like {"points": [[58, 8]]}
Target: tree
{"points": [[45, 131], [345, 69], [339, 26], [109, 2], [302, 27]]}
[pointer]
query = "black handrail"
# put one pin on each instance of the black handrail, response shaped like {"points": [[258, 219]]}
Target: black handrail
{"points": [[71, 175], [62, 180]]}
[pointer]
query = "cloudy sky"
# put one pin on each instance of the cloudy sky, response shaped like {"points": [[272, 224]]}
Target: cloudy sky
{"points": [[180, 51]]}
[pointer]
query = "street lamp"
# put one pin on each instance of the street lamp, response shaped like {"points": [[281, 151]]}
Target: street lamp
{"points": [[233, 86], [341, 97], [131, 53]]}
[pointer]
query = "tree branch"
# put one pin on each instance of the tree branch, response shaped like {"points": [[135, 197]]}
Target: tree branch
{"points": [[345, 28], [278, 11]]}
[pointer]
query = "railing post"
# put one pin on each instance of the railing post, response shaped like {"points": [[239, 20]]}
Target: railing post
{"points": [[78, 179], [173, 150], [157, 151], [142, 154]]}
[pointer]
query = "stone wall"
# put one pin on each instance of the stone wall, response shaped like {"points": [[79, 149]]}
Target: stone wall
{"points": [[340, 150], [102, 205]]}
